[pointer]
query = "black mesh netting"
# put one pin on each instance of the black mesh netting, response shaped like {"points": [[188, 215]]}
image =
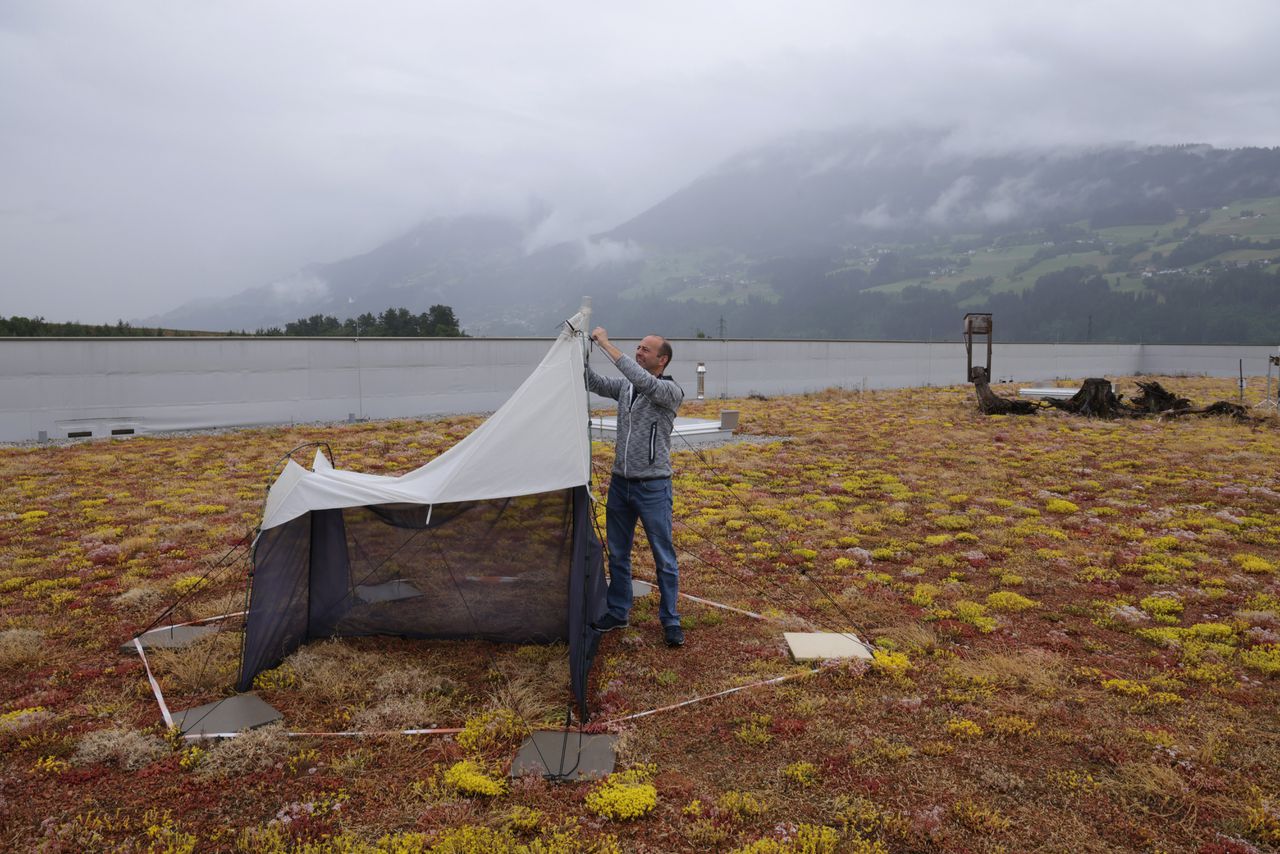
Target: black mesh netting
{"points": [[526, 569]]}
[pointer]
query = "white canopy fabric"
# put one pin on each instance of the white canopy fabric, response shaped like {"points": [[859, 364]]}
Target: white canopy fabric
{"points": [[536, 442]]}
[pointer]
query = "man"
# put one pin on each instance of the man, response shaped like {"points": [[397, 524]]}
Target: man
{"points": [[641, 484]]}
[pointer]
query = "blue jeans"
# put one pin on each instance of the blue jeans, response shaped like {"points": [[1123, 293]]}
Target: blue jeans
{"points": [[650, 502]]}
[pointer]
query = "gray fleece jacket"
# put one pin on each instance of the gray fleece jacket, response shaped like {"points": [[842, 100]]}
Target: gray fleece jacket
{"points": [[647, 408]]}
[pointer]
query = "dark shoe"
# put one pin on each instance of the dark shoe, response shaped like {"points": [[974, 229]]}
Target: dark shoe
{"points": [[673, 635], [608, 623]]}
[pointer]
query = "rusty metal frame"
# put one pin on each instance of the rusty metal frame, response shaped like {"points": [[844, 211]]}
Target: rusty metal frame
{"points": [[977, 323]]}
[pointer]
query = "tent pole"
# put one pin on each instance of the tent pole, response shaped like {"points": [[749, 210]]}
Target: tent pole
{"points": [[586, 366]]}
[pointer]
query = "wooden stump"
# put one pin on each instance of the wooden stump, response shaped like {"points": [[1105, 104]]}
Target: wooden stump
{"points": [[1095, 399], [990, 403], [1155, 398]]}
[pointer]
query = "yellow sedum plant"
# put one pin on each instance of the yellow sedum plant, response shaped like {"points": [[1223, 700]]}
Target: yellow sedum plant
{"points": [[491, 728], [811, 839], [1264, 659], [1007, 600], [975, 614], [1253, 564], [625, 796], [895, 665], [470, 778]]}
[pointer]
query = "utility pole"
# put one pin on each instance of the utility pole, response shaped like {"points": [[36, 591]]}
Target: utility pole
{"points": [[722, 327]]}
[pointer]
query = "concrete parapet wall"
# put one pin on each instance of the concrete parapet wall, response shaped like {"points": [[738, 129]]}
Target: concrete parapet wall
{"points": [[98, 386]]}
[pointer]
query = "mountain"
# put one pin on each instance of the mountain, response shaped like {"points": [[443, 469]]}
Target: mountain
{"points": [[838, 190], [776, 228]]}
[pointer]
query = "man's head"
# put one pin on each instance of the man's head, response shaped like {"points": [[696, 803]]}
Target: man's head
{"points": [[653, 353]]}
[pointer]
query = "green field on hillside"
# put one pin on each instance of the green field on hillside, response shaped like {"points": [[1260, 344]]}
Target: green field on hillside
{"points": [[721, 276], [1122, 234], [1264, 225], [999, 264], [1244, 256], [1126, 283], [705, 275], [1022, 281], [722, 292]]}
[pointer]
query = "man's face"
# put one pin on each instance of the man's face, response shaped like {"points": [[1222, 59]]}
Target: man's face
{"points": [[647, 353]]}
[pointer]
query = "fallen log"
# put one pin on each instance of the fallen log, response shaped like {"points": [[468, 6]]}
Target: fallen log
{"points": [[1223, 407]]}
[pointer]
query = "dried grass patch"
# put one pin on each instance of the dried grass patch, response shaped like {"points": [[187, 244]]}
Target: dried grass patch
{"points": [[140, 597], [531, 683], [334, 671], [21, 648], [208, 665], [217, 605], [1157, 787], [251, 751], [125, 748], [912, 637], [1037, 671], [408, 698], [414, 682], [398, 712]]}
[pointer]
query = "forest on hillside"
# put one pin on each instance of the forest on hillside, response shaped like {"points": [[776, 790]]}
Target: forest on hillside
{"points": [[1238, 305]]}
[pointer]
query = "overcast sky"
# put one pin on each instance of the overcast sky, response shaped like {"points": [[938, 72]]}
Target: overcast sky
{"points": [[153, 151]]}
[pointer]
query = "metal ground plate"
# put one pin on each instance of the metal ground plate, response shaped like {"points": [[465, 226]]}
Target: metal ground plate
{"points": [[227, 716], [820, 646], [578, 756], [170, 637]]}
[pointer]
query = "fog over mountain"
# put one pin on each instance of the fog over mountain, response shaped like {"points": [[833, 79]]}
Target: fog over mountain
{"points": [[155, 152], [726, 236], [910, 184]]}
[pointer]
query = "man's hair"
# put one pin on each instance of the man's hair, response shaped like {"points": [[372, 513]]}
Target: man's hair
{"points": [[664, 349]]}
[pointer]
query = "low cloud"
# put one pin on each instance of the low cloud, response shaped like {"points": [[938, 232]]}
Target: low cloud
{"points": [[298, 289], [598, 253], [141, 128], [878, 218], [951, 202]]}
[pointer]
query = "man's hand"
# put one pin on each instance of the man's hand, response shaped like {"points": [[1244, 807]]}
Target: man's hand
{"points": [[601, 337]]}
